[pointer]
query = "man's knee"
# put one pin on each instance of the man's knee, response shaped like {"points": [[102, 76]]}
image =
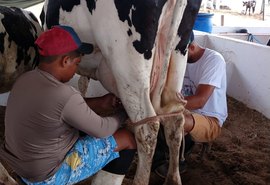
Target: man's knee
{"points": [[205, 129], [126, 145], [125, 140], [189, 123]]}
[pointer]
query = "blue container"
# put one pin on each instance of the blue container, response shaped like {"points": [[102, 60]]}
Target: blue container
{"points": [[204, 22]]}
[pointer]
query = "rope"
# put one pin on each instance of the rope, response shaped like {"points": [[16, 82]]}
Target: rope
{"points": [[157, 118], [184, 145], [251, 38]]}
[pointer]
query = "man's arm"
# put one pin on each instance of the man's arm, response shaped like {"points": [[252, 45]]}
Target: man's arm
{"points": [[104, 105], [201, 96], [78, 114]]}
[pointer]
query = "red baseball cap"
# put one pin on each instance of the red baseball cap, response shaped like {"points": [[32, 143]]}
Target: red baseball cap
{"points": [[60, 40]]}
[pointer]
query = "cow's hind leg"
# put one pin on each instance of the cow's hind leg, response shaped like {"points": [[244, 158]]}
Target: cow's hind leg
{"points": [[146, 138], [173, 129]]}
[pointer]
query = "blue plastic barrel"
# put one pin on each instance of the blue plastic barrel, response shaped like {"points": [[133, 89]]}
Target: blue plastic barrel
{"points": [[204, 22]]}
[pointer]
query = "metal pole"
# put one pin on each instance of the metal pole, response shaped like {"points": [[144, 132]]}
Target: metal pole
{"points": [[222, 20], [263, 8]]}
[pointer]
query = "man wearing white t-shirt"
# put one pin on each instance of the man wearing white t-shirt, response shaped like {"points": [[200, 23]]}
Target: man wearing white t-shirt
{"points": [[204, 88]]}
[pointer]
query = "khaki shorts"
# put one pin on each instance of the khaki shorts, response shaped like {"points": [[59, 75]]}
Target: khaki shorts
{"points": [[205, 128]]}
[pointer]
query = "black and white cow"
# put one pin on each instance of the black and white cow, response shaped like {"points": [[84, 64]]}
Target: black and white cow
{"points": [[18, 31], [140, 55]]}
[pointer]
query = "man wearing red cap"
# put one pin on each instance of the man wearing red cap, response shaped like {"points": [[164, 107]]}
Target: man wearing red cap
{"points": [[44, 119]]}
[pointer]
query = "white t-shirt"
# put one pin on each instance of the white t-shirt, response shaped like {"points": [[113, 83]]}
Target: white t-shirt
{"points": [[210, 69]]}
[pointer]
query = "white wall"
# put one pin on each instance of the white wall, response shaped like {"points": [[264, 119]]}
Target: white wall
{"points": [[233, 29], [257, 38], [261, 35], [248, 67]]}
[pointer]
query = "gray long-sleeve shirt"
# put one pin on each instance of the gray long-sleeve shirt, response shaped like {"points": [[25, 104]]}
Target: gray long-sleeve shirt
{"points": [[42, 122]]}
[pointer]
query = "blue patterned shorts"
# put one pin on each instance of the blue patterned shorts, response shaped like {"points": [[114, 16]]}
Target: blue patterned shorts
{"points": [[88, 156]]}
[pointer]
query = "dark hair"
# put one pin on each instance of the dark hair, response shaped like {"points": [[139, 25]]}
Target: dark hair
{"points": [[74, 54], [49, 59]]}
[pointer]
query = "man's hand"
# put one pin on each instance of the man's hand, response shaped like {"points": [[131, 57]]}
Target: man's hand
{"points": [[201, 96], [104, 105], [110, 102]]}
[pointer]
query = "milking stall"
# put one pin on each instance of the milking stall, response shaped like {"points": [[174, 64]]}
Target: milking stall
{"points": [[240, 155]]}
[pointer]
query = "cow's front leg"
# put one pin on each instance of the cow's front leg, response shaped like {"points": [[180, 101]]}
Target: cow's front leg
{"points": [[173, 128], [146, 138]]}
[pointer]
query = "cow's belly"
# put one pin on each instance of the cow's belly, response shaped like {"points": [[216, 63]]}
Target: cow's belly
{"points": [[94, 66]]}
